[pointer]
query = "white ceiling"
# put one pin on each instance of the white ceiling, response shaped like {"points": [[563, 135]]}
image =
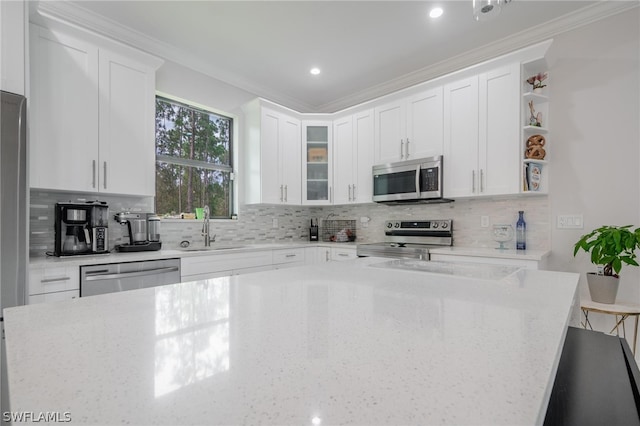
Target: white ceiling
{"points": [[364, 48]]}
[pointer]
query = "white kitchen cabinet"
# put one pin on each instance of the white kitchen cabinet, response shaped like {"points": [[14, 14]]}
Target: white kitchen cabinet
{"points": [[343, 253], [53, 297], [216, 265], [317, 163], [481, 134], [353, 158], [127, 125], [92, 115], [288, 258], [410, 128], [519, 263], [53, 283], [272, 156], [12, 46]]}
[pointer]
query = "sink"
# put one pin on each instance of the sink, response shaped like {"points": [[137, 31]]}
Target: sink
{"points": [[213, 248]]}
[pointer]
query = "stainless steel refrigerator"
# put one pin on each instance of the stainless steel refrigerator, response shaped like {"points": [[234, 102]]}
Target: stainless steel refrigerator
{"points": [[13, 212]]}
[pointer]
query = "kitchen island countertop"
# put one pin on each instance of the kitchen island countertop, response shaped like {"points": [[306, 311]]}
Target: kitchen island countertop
{"points": [[350, 342]]}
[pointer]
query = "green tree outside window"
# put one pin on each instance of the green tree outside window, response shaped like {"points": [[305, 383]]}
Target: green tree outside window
{"points": [[193, 160]]}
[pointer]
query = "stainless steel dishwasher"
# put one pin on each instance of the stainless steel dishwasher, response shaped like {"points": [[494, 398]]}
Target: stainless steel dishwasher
{"points": [[113, 277]]}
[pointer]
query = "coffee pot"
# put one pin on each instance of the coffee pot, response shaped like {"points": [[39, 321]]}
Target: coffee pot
{"points": [[143, 230], [81, 228]]}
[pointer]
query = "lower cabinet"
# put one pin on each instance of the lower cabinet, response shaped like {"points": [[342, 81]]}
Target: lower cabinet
{"points": [[53, 283], [289, 258], [324, 254], [343, 253], [218, 265], [521, 263]]}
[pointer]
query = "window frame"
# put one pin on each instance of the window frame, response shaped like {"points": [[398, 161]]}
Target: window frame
{"points": [[231, 169]]}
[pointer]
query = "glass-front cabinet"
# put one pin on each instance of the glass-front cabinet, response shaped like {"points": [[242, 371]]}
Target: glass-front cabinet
{"points": [[318, 171]]}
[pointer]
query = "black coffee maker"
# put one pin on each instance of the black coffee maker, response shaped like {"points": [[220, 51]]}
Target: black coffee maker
{"points": [[81, 228]]}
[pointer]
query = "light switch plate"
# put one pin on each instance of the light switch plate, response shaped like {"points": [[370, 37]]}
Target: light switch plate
{"points": [[570, 221]]}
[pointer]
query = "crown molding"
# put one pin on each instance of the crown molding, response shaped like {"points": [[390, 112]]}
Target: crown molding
{"points": [[525, 38], [81, 17]]}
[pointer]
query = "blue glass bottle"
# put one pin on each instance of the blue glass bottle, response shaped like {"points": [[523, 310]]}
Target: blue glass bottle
{"points": [[521, 232]]}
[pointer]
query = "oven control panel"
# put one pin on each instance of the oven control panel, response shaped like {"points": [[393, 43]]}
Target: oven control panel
{"points": [[419, 225]]}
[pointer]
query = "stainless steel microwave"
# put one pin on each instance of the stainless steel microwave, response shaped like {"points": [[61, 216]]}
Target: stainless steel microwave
{"points": [[418, 180]]}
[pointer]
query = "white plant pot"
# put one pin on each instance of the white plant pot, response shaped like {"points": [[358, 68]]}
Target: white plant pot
{"points": [[603, 288]]}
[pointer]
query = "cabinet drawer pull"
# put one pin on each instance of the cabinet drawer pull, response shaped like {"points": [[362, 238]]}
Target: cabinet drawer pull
{"points": [[473, 181], [290, 255], [343, 254], [53, 280]]}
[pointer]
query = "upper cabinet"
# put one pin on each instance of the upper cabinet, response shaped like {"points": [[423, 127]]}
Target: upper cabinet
{"points": [[481, 134], [272, 153], [409, 128], [92, 115], [317, 163], [12, 48], [353, 158]]}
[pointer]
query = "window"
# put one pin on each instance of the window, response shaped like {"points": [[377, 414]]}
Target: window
{"points": [[194, 158]]}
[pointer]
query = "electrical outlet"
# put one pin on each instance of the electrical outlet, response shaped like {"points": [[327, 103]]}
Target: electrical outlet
{"points": [[484, 221], [570, 221], [274, 223]]}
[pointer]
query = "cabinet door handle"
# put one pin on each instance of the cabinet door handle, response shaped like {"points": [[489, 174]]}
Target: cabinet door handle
{"points": [[401, 148], [330, 194], [281, 193], [481, 180], [349, 192], [105, 175], [54, 280], [286, 192], [93, 185], [326, 253], [354, 192], [407, 150], [473, 181]]}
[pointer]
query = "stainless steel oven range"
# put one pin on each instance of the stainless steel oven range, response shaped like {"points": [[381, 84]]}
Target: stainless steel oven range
{"points": [[410, 239]]}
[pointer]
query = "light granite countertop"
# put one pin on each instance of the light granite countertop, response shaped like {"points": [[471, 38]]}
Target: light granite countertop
{"points": [[366, 341]]}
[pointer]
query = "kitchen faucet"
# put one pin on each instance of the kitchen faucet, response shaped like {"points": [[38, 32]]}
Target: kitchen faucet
{"points": [[205, 229]]}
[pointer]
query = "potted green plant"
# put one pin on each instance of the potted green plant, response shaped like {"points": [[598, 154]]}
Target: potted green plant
{"points": [[610, 247]]}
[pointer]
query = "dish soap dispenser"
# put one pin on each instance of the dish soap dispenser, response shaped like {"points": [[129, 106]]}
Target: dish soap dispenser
{"points": [[521, 232]]}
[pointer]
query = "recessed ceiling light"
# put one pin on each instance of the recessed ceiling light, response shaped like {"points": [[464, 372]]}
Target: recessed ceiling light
{"points": [[315, 71], [436, 12]]}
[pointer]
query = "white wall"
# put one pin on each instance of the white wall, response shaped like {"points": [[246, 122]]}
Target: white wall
{"points": [[594, 149], [183, 82]]}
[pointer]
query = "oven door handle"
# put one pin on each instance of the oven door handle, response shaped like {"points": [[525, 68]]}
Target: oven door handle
{"points": [[418, 181], [119, 275]]}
